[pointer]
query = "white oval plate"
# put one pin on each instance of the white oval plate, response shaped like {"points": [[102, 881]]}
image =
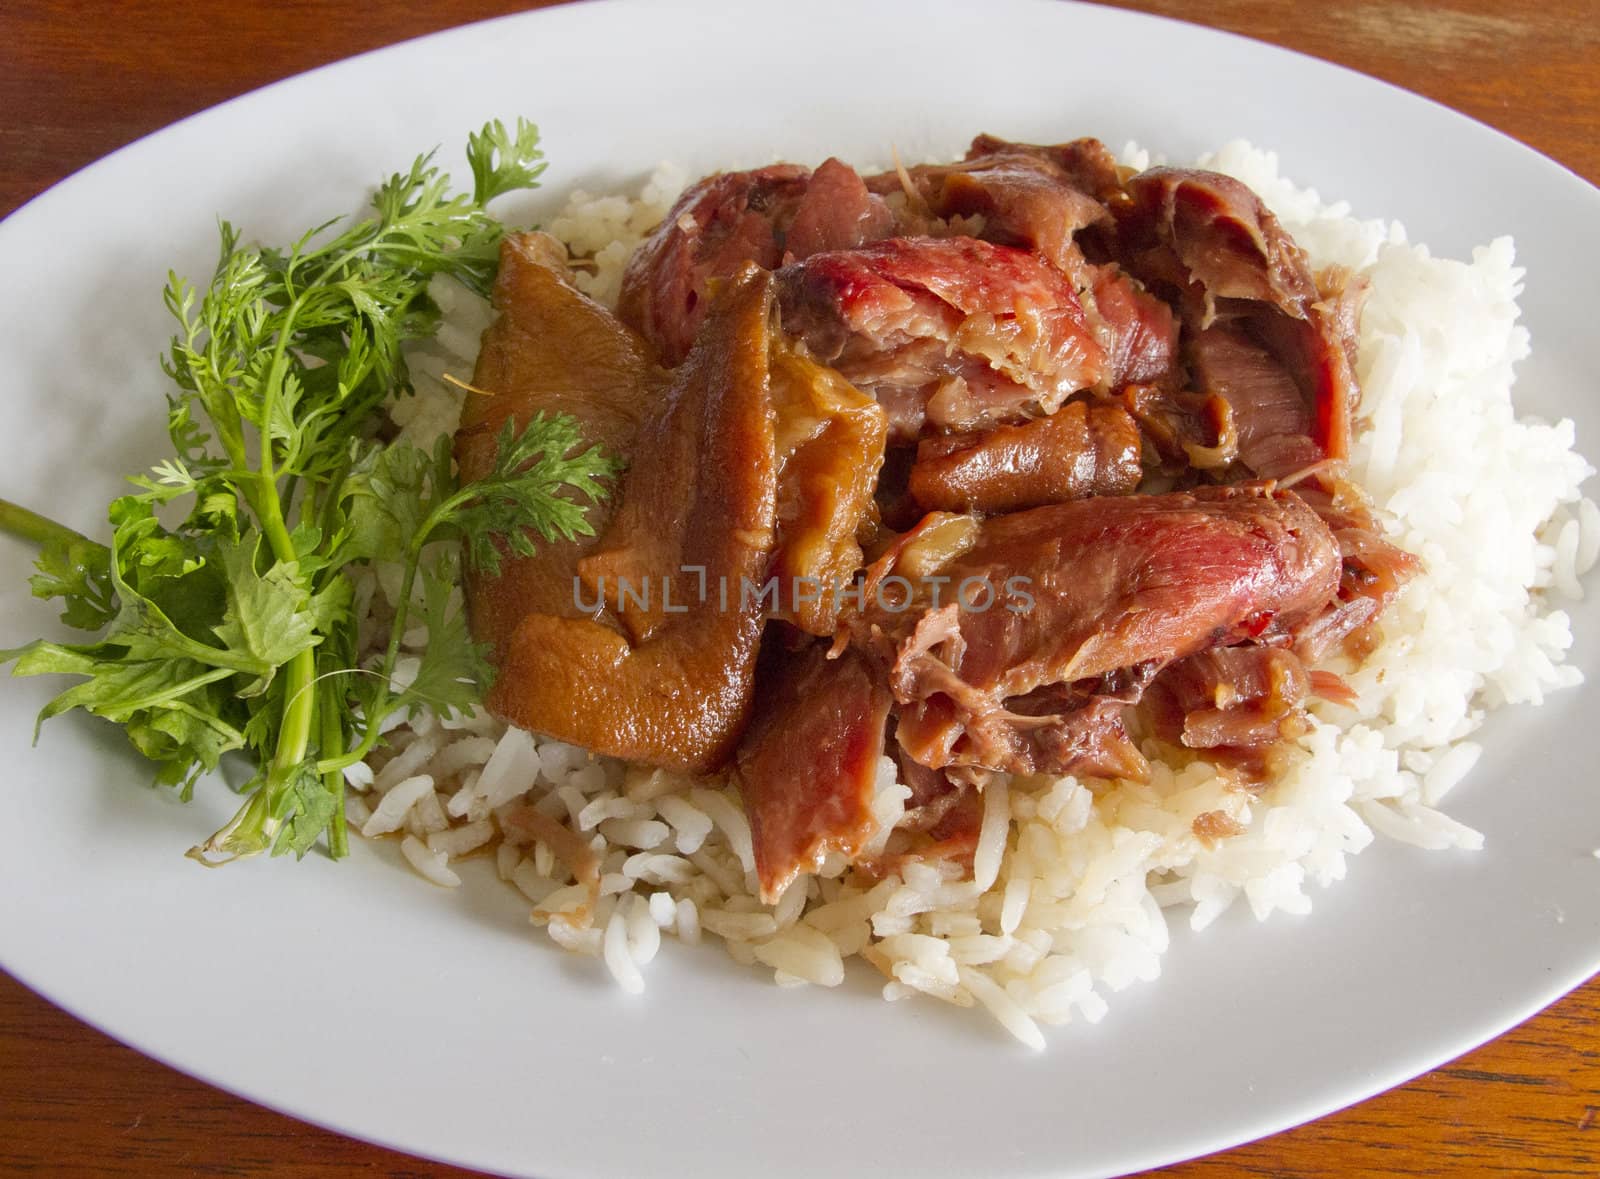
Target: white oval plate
{"points": [[358, 997]]}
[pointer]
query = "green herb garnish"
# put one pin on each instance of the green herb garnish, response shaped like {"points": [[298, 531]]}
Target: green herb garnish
{"points": [[235, 629]]}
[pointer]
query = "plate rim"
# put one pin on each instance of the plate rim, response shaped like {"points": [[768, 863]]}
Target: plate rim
{"points": [[1416, 1064]]}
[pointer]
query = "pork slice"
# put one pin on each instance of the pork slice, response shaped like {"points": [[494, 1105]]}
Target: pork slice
{"points": [[1272, 421], [1373, 571], [1243, 698], [1136, 330], [1121, 581], [1211, 246], [1095, 594], [1030, 195], [664, 675], [836, 213], [1080, 450], [807, 766], [1185, 428], [1010, 196], [763, 216], [830, 447], [1319, 351], [1086, 162], [955, 332], [1225, 237], [549, 350]]}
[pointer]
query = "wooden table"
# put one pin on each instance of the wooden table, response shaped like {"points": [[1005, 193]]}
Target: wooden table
{"points": [[73, 88]]}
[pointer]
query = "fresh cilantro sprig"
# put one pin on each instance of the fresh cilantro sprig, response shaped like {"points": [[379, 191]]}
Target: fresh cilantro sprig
{"points": [[530, 490], [233, 628]]}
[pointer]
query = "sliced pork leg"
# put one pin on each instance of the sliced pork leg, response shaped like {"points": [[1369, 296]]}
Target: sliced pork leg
{"points": [[1080, 450], [551, 350], [952, 333], [807, 768], [830, 445], [1093, 594], [664, 676], [765, 216], [1010, 197], [1260, 328]]}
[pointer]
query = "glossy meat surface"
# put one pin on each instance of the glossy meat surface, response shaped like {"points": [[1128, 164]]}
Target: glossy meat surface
{"points": [[764, 216], [953, 333], [1273, 422], [1110, 589], [836, 213], [1373, 571], [830, 447], [1012, 194], [1225, 238], [1230, 697], [1082, 449], [1087, 163], [1261, 331], [808, 765], [666, 678], [1136, 330], [551, 350]]}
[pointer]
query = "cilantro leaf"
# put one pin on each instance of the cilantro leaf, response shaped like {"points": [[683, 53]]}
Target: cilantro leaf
{"points": [[312, 809], [501, 161], [453, 669], [529, 492], [75, 570], [271, 616], [171, 708], [386, 498]]}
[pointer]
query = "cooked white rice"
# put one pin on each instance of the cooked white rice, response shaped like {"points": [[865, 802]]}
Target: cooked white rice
{"points": [[1073, 890]]}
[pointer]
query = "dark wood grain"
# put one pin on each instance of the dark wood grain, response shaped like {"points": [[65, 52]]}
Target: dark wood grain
{"points": [[74, 87], [1529, 68]]}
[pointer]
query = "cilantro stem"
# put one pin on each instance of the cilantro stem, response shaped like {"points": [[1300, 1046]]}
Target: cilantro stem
{"points": [[300, 692], [397, 629], [300, 710], [331, 738], [295, 736], [18, 521], [176, 692], [335, 763], [338, 764], [253, 816]]}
